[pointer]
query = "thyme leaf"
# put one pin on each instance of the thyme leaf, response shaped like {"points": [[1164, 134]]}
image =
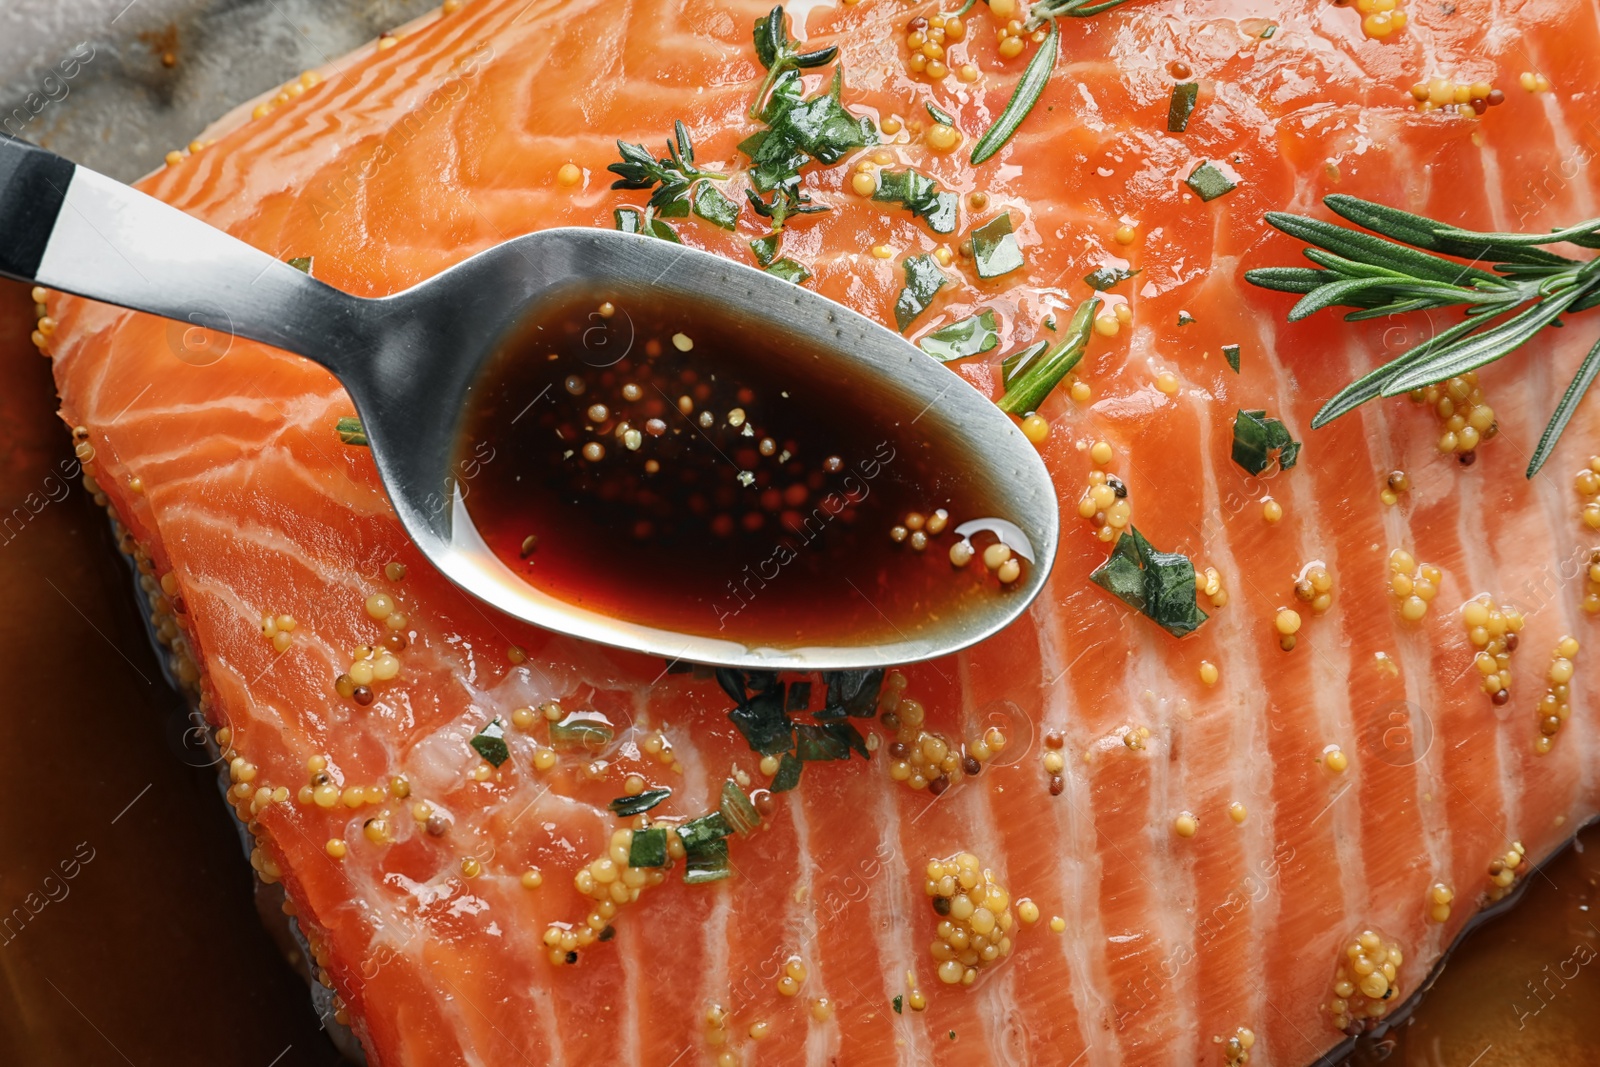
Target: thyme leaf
{"points": [[962, 338], [923, 280]]}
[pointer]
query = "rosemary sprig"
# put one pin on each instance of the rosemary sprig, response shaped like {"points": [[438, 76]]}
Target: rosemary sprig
{"points": [[778, 54], [1038, 71], [1405, 269]]}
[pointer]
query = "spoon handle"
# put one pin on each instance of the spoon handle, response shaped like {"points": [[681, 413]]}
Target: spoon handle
{"points": [[66, 227]]}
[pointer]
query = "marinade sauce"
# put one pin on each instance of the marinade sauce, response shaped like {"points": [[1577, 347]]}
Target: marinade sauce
{"points": [[698, 472]]}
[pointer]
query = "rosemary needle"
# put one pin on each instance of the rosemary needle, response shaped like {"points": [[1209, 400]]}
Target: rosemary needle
{"points": [[1405, 269], [1037, 73]]}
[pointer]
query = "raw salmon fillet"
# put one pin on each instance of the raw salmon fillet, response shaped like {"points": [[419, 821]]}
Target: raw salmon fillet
{"points": [[222, 466]]}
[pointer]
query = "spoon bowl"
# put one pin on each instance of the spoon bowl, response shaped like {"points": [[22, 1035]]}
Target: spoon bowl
{"points": [[410, 362]]}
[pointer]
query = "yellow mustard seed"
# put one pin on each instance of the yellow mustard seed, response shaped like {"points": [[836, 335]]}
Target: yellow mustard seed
{"points": [[942, 138]]}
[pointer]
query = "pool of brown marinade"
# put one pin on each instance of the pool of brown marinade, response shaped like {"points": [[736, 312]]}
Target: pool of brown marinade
{"points": [[698, 472]]}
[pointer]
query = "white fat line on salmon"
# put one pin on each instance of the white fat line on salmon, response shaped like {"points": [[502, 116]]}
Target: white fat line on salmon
{"points": [[974, 822], [1537, 379], [1250, 711], [1332, 715], [1078, 871]]}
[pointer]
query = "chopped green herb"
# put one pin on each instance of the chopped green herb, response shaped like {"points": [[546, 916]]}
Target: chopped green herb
{"points": [[1017, 362], [920, 195], [696, 833], [847, 732], [940, 116], [350, 431], [780, 56], [923, 280], [1267, 33], [820, 743], [632, 220], [765, 249], [819, 128], [1257, 440], [733, 682], [1029, 387], [301, 263], [1159, 584], [962, 338], [490, 743], [708, 863], [638, 805], [1231, 354], [740, 814], [994, 248], [1184, 318], [1023, 97], [649, 848], [799, 698], [1208, 181], [764, 723], [715, 208], [774, 162], [581, 733], [788, 775], [789, 270], [854, 693], [1103, 278], [1184, 95], [897, 1002]]}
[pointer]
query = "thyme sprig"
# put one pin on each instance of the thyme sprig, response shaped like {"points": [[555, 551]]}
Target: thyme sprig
{"points": [[1406, 269], [672, 179], [1037, 73], [778, 54]]}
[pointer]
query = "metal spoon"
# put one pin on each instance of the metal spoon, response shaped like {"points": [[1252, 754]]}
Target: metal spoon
{"points": [[409, 361]]}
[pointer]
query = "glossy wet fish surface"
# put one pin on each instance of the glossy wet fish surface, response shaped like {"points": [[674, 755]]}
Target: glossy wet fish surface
{"points": [[1083, 841]]}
